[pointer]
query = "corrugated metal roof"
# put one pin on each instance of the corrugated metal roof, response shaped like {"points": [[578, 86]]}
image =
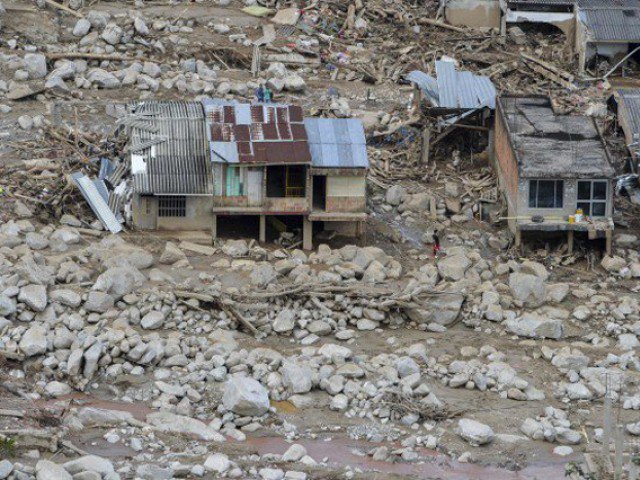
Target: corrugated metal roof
{"points": [[629, 109], [337, 142], [612, 24], [608, 4], [170, 142], [258, 133], [455, 89], [97, 203]]}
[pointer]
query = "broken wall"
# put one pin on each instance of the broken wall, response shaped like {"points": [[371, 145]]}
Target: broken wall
{"points": [[473, 13], [346, 194], [506, 167]]}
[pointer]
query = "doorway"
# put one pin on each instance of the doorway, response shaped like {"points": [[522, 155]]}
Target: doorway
{"points": [[319, 192]]}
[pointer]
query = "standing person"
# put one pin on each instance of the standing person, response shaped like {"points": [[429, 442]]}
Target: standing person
{"points": [[436, 244], [268, 95], [260, 93]]}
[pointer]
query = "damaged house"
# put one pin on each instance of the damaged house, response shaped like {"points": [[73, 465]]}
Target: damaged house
{"points": [[549, 166], [246, 169]]}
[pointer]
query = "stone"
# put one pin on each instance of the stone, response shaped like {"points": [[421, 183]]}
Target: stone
{"points": [[21, 210], [98, 302], [25, 122], [442, 310], [271, 474], [527, 288], [119, 281], [217, 463], [172, 254], [34, 341], [152, 320], [36, 241], [262, 275], [7, 305], [34, 296], [91, 463], [140, 26], [235, 248], [112, 34], [6, 467], [294, 453], [395, 195], [245, 396], [563, 451], [297, 378], [46, 470], [57, 389], [613, 264], [294, 83], [153, 472], [183, 425], [285, 321], [66, 297], [81, 27], [102, 79], [534, 326], [453, 267], [36, 65], [100, 417], [474, 432]]}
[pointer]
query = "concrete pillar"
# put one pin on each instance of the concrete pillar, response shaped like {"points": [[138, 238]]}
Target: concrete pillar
{"points": [[214, 228], [307, 234], [263, 229]]}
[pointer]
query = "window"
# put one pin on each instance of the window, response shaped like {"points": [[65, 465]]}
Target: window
{"points": [[235, 185], [172, 206], [592, 197], [546, 193]]}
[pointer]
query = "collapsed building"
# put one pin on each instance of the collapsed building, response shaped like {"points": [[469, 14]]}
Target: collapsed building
{"points": [[550, 166], [236, 169]]}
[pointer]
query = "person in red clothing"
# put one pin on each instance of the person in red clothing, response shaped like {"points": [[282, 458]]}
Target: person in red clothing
{"points": [[436, 244]]}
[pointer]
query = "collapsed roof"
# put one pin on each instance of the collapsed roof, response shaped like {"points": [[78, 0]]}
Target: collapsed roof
{"points": [[453, 89]]}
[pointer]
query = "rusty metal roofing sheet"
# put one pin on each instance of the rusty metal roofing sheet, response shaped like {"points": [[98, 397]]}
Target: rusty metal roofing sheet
{"points": [[260, 132], [337, 142], [173, 155]]}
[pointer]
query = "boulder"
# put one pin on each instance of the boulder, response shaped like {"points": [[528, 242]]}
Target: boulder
{"points": [[103, 79], [443, 309], [6, 467], [285, 321], [395, 195], [34, 297], [172, 254], [7, 305], [527, 288], [217, 463], [453, 267], [183, 425], [119, 281], [235, 248], [475, 433], [534, 326], [66, 297], [98, 302], [613, 264], [34, 341], [91, 463], [36, 65], [245, 396], [297, 378], [263, 274], [81, 27], [46, 470], [112, 34]]}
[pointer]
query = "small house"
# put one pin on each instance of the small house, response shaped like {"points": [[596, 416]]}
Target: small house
{"points": [[549, 166], [240, 169]]}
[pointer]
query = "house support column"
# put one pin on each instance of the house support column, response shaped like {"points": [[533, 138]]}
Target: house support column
{"points": [[214, 228], [570, 242], [262, 236], [518, 238], [609, 237], [307, 234]]}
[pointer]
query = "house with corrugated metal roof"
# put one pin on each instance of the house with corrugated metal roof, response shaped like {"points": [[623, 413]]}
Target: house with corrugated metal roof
{"points": [[606, 28], [626, 102], [237, 169]]}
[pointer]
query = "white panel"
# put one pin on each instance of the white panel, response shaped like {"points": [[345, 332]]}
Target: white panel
{"points": [[345, 186]]}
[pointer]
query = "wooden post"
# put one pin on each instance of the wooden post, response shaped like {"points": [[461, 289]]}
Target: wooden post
{"points": [[307, 234], [609, 237], [433, 208], [606, 427], [570, 242], [619, 443], [518, 238], [263, 229], [214, 228], [426, 145]]}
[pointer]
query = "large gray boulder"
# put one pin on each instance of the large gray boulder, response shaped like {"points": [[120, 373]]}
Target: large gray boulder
{"points": [[245, 396], [34, 297], [34, 341], [263, 274], [443, 309], [46, 470], [235, 248], [475, 433], [98, 302], [180, 424], [297, 378], [36, 65], [112, 34], [395, 195], [453, 267], [7, 305], [534, 326], [118, 281], [172, 254], [527, 288], [91, 463], [103, 79]]}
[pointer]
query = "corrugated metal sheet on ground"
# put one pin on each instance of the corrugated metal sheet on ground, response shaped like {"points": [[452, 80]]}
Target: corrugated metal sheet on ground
{"points": [[455, 89], [606, 24], [337, 142], [174, 149], [99, 206]]}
